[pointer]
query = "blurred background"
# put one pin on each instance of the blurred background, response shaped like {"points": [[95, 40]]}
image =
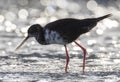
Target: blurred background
{"points": [[16, 16], [102, 43]]}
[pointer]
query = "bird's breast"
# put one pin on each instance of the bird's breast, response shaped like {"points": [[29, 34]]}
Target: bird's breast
{"points": [[53, 37]]}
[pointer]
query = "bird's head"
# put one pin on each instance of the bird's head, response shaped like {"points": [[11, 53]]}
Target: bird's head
{"points": [[32, 32], [34, 29]]}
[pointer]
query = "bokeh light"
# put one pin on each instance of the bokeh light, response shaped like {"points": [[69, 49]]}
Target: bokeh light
{"points": [[41, 20], [91, 42], [61, 3], [92, 5], [53, 19], [10, 16], [34, 12], [1, 18], [99, 31], [49, 11], [8, 23], [110, 23], [23, 14], [1, 28], [22, 2]]}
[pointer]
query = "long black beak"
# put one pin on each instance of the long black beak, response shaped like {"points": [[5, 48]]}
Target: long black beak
{"points": [[21, 43]]}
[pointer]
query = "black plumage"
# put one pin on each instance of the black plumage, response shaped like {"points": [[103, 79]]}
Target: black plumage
{"points": [[70, 29]]}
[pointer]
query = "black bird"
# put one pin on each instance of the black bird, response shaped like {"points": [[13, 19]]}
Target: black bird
{"points": [[63, 31]]}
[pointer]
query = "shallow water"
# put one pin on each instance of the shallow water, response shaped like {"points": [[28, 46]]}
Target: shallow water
{"points": [[46, 63], [39, 63]]}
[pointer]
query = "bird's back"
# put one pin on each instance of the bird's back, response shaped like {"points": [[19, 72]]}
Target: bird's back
{"points": [[70, 29]]}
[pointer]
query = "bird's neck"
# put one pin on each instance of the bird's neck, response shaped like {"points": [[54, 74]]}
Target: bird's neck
{"points": [[40, 37]]}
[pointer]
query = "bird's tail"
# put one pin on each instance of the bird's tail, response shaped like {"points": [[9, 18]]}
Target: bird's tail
{"points": [[103, 17]]}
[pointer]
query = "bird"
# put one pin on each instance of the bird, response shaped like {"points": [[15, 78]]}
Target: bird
{"points": [[63, 31]]}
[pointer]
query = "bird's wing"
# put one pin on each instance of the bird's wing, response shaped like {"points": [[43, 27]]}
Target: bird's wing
{"points": [[70, 29]]}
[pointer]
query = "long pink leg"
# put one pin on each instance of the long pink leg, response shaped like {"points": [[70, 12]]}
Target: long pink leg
{"points": [[84, 51], [67, 59]]}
